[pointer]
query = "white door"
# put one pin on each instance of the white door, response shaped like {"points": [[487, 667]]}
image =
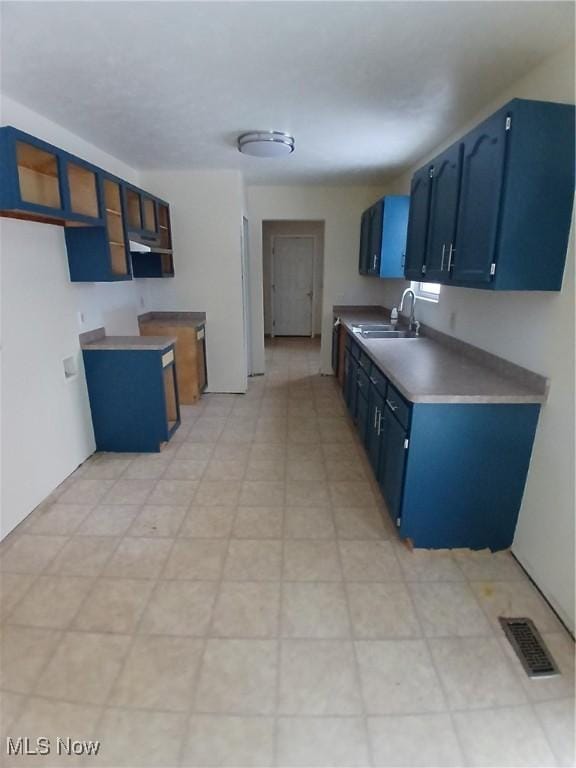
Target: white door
{"points": [[292, 285]]}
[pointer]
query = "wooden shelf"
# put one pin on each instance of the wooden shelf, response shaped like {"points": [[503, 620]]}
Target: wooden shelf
{"points": [[38, 176], [83, 190], [112, 212]]}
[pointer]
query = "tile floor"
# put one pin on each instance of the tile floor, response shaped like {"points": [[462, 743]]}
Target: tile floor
{"points": [[241, 599]]}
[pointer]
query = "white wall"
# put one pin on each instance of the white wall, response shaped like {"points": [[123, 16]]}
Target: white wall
{"points": [[340, 208], [206, 210], [271, 229], [535, 330], [46, 428]]}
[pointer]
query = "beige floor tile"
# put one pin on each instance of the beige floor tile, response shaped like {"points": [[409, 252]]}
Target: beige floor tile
{"points": [[428, 564], [475, 673], [513, 599], [222, 493], [196, 559], [114, 605], [352, 493], [129, 492], [52, 601], [266, 469], [89, 491], [503, 737], [369, 561], [557, 719], [238, 677], [57, 719], [448, 609], [147, 467], [162, 520], [228, 452], [398, 677], [84, 667], [314, 610], [307, 493], [339, 470], [253, 560], [176, 492], [83, 556], [56, 519], [271, 452], [340, 452], [247, 609], [31, 554], [208, 522], [11, 705], [179, 608], [258, 523], [382, 610], [131, 739], [222, 469], [138, 558], [484, 565], [262, 493], [13, 587], [307, 470], [194, 451], [329, 742], [317, 677], [360, 523], [229, 741], [413, 741], [311, 561], [23, 653], [158, 674], [105, 469], [185, 469], [309, 523], [108, 520]]}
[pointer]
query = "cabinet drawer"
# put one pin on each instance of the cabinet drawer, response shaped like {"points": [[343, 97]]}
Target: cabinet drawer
{"points": [[378, 380], [363, 382], [364, 362], [353, 347], [399, 407]]}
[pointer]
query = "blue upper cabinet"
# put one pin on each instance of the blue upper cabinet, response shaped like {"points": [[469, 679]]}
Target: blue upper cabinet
{"points": [[383, 237], [100, 212], [416, 240], [500, 203], [41, 182]]}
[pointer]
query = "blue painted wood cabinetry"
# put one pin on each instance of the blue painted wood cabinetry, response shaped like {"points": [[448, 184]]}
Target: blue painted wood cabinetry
{"points": [[452, 474], [383, 237], [497, 208], [41, 182], [133, 397]]}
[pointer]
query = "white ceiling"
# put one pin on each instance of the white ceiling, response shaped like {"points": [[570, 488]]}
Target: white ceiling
{"points": [[366, 88]]}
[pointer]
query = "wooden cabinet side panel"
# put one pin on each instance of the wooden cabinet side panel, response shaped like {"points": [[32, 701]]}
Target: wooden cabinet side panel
{"points": [[185, 351]]}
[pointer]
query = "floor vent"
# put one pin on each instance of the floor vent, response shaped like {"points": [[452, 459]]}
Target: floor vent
{"points": [[529, 647]]}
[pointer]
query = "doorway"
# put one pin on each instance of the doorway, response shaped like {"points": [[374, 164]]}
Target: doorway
{"points": [[293, 277]]}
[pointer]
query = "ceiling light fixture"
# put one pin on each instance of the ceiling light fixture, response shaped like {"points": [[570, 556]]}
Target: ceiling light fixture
{"points": [[266, 144]]}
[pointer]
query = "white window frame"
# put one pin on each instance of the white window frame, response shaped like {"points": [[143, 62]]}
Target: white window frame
{"points": [[422, 294]]}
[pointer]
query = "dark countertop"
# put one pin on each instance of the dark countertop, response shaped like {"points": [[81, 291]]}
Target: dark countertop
{"points": [[192, 319], [426, 370]]}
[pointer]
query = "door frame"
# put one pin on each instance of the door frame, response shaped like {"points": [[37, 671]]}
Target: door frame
{"points": [[247, 317], [314, 238]]}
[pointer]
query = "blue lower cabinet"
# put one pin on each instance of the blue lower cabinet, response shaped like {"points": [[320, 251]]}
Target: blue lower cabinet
{"points": [[133, 398], [452, 474]]}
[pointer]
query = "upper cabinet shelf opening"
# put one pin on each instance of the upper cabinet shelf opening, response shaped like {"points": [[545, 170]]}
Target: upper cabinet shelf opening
{"points": [[101, 213], [494, 210]]}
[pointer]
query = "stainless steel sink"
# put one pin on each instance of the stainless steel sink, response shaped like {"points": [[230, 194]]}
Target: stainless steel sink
{"points": [[385, 333], [361, 327]]}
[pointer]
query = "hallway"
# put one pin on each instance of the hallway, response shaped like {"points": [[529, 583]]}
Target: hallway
{"points": [[241, 599]]}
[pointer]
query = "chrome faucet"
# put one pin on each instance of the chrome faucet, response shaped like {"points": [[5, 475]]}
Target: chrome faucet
{"points": [[413, 324]]}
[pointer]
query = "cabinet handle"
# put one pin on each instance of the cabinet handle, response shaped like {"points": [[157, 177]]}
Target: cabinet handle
{"points": [[374, 261], [443, 252], [451, 253], [393, 407], [376, 414], [374, 381], [379, 424]]}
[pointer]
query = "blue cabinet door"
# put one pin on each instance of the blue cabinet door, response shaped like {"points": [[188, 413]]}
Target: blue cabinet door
{"points": [[364, 243], [441, 244], [392, 463], [394, 228], [418, 224], [374, 440], [483, 163], [375, 251]]}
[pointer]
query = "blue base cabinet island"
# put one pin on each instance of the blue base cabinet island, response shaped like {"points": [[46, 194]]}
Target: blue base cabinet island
{"points": [[494, 210], [133, 392], [452, 473]]}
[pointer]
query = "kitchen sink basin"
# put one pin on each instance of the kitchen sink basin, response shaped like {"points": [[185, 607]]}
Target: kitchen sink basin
{"points": [[361, 327], [385, 333]]}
